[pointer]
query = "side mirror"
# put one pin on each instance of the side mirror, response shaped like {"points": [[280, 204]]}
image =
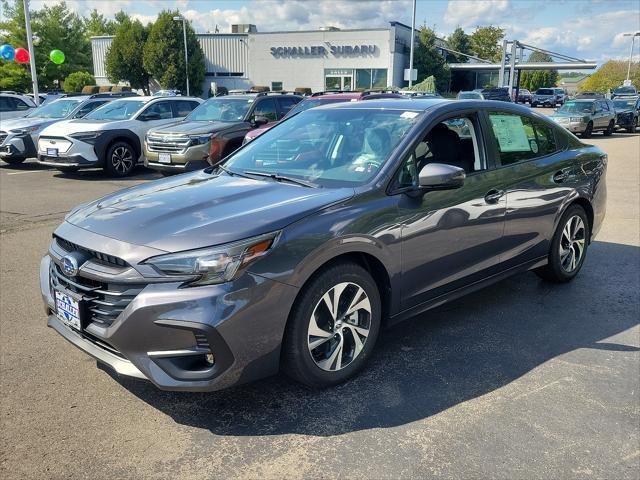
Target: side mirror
{"points": [[440, 176], [258, 121], [146, 117]]}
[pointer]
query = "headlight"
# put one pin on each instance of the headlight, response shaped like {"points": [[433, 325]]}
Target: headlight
{"points": [[24, 131], [200, 139], [576, 120], [88, 137], [214, 265]]}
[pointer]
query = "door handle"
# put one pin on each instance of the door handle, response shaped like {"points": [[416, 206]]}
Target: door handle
{"points": [[493, 195], [560, 176]]}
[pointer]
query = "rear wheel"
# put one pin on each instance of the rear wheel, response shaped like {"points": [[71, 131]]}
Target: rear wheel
{"points": [[588, 131], [333, 326], [568, 247], [120, 160], [633, 127], [609, 131]]}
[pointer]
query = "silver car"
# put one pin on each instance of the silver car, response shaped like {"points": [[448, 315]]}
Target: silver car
{"points": [[587, 116]]}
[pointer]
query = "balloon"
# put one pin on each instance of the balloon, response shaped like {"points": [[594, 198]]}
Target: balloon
{"points": [[22, 56], [56, 56], [7, 52]]}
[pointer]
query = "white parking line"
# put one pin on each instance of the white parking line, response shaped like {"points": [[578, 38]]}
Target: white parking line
{"points": [[27, 171]]}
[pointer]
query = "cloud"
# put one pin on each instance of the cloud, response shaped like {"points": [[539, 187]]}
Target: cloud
{"points": [[469, 13], [302, 15]]}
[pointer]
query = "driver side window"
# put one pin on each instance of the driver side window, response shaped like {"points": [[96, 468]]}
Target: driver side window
{"points": [[454, 141]]}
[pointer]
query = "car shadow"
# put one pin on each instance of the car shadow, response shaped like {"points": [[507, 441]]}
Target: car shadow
{"points": [[435, 361], [140, 173], [26, 165]]}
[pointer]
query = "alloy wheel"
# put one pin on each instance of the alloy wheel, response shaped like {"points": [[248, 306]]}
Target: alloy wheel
{"points": [[339, 326], [122, 160], [572, 244]]}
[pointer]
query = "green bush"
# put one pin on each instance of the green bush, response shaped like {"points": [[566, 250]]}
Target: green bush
{"points": [[76, 81]]}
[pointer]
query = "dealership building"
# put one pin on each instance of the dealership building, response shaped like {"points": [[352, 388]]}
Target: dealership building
{"points": [[325, 59]]}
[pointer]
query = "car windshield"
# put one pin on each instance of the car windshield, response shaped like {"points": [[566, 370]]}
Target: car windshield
{"points": [[116, 110], [624, 103], [59, 109], [221, 109], [630, 90], [332, 147], [544, 91], [576, 107], [315, 102], [469, 95]]}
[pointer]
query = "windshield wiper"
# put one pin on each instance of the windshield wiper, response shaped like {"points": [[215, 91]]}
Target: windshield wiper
{"points": [[281, 178], [231, 173]]}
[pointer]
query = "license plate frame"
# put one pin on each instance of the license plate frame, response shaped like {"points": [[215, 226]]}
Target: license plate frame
{"points": [[164, 158], [69, 308], [52, 152]]}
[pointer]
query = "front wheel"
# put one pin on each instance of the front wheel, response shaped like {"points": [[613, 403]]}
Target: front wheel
{"points": [[568, 247], [120, 160], [333, 326], [609, 131], [588, 131]]}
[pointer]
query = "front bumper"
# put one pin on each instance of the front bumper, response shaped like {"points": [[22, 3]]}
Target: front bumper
{"points": [[625, 121], [573, 127], [544, 101], [165, 331], [70, 153], [184, 160], [17, 146]]}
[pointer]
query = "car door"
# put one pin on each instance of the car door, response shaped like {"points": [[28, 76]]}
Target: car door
{"points": [[267, 108], [537, 174], [161, 109], [450, 238]]}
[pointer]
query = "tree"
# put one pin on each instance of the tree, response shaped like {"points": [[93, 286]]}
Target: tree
{"points": [[428, 60], [610, 76], [486, 42], [76, 81], [164, 54], [97, 24], [124, 61], [535, 79], [460, 42], [14, 76]]}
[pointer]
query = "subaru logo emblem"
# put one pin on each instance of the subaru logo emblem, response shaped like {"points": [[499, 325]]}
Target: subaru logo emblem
{"points": [[70, 266]]}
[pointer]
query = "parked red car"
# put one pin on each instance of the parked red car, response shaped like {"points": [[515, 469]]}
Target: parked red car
{"points": [[322, 98]]}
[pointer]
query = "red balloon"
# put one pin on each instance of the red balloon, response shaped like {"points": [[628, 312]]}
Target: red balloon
{"points": [[22, 55]]}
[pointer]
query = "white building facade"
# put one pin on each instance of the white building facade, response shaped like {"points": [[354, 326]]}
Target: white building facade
{"points": [[328, 59]]}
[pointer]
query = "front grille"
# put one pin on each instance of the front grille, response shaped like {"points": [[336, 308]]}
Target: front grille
{"points": [[104, 301], [3, 136], [96, 256], [167, 143]]}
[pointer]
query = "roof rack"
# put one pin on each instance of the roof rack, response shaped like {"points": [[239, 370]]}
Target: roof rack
{"points": [[331, 92]]}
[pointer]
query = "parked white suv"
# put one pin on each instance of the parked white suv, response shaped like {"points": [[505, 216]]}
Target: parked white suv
{"points": [[112, 135], [13, 105]]}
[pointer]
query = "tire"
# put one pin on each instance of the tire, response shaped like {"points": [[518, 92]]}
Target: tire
{"points": [[609, 131], [14, 161], [588, 131], [334, 355], [632, 128], [67, 169], [534, 105], [120, 159], [568, 247]]}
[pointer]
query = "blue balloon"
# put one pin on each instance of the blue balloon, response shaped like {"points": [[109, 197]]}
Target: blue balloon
{"points": [[7, 52]]}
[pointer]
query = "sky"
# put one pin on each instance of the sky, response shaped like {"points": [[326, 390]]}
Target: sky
{"points": [[586, 29]]}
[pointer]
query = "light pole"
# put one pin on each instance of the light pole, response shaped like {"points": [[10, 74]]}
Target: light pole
{"points": [[186, 55], [633, 37], [413, 34], [32, 55]]}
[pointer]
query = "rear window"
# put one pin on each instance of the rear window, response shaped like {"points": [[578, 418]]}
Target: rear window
{"points": [[544, 91]]}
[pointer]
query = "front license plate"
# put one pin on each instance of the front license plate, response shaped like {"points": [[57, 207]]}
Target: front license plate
{"points": [[52, 152], [68, 309], [164, 157]]}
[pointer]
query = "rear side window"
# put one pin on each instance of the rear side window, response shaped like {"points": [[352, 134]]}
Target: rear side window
{"points": [[161, 108], [267, 109], [521, 138], [6, 105], [88, 107], [184, 107], [286, 104]]}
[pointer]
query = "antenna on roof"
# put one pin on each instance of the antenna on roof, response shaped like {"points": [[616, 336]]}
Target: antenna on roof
{"points": [[217, 30]]}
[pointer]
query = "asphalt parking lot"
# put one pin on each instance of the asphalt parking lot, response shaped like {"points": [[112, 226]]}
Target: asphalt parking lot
{"points": [[521, 380]]}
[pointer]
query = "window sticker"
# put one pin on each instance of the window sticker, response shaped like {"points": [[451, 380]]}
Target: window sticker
{"points": [[534, 146], [409, 115], [510, 133]]}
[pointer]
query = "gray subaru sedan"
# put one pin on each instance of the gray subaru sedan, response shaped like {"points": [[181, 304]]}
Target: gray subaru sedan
{"points": [[293, 252]]}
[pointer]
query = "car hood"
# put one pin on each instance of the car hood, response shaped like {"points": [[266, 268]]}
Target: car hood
{"points": [[30, 122], [194, 128], [199, 209], [68, 127], [564, 115]]}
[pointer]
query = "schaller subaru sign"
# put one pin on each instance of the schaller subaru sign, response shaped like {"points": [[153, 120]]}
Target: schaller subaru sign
{"points": [[319, 51]]}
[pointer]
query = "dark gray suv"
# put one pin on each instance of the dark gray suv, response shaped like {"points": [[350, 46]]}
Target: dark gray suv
{"points": [[295, 251]]}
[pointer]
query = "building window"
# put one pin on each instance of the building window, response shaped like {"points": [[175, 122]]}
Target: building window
{"points": [[367, 78], [276, 86]]}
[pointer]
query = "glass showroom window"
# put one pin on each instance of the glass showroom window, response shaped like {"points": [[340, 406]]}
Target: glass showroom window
{"points": [[367, 78]]}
